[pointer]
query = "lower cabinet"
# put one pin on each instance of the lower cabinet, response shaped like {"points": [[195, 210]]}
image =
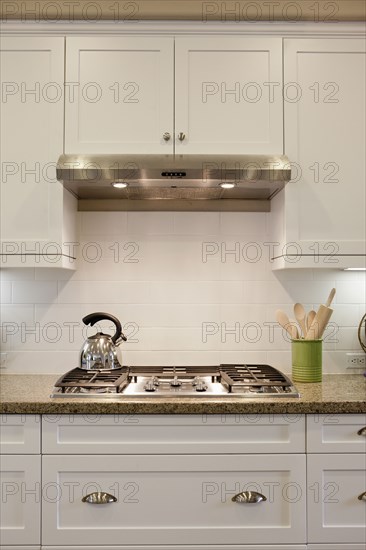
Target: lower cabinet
{"points": [[337, 498], [166, 499], [20, 508]]}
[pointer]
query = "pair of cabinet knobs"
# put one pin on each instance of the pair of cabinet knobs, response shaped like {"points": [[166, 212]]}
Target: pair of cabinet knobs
{"points": [[167, 136]]}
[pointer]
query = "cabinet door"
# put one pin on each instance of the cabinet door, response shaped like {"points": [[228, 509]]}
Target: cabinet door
{"points": [[164, 499], [335, 513], [119, 94], [228, 96], [325, 121], [20, 516], [31, 140]]}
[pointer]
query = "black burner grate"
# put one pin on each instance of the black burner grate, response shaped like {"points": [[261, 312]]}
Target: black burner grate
{"points": [[253, 375], [115, 380]]}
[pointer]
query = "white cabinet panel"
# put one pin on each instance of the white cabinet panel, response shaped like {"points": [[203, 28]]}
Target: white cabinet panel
{"points": [[20, 434], [162, 499], [336, 433], [20, 515], [31, 140], [228, 95], [183, 434], [335, 513], [336, 547], [120, 94], [325, 126]]}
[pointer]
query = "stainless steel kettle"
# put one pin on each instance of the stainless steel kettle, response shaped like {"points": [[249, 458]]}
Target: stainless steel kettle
{"points": [[101, 351]]}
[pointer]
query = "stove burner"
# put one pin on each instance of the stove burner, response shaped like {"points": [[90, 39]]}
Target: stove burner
{"points": [[248, 381]]}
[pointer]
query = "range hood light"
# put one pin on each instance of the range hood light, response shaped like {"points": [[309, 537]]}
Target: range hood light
{"points": [[227, 185], [354, 269], [119, 184]]}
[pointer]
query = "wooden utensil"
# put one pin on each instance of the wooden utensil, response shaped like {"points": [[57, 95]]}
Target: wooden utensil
{"points": [[284, 321], [294, 330], [321, 319], [330, 297], [300, 317], [310, 319]]}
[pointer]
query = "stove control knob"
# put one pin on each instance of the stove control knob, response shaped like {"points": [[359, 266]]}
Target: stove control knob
{"points": [[150, 386], [201, 386], [156, 381], [175, 383], [196, 380]]}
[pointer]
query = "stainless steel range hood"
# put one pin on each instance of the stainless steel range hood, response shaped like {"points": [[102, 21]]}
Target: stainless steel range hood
{"points": [[183, 182]]}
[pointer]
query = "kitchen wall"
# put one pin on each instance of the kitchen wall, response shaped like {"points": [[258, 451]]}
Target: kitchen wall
{"points": [[189, 288]]}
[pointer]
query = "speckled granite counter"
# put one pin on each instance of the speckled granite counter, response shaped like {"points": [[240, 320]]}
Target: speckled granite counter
{"points": [[29, 394]]}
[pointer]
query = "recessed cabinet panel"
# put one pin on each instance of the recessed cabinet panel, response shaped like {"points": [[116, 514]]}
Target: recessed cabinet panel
{"points": [[336, 433], [228, 95], [32, 74], [325, 126], [183, 434], [20, 508], [120, 96], [335, 511], [20, 434], [162, 499]]}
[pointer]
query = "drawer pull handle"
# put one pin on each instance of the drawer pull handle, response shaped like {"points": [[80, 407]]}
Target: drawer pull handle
{"points": [[362, 496], [99, 498], [248, 497], [362, 431]]}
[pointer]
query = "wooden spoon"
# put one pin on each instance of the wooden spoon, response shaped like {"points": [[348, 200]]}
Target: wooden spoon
{"points": [[284, 321], [300, 317], [310, 319]]}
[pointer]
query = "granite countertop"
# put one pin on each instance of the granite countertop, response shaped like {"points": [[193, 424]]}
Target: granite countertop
{"points": [[30, 394]]}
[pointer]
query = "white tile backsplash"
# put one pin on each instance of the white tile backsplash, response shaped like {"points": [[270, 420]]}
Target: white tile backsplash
{"points": [[187, 288]]}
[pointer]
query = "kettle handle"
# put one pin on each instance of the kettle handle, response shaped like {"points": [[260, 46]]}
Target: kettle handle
{"points": [[93, 318]]}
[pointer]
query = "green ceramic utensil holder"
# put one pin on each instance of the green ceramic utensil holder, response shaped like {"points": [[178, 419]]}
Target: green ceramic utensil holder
{"points": [[307, 360]]}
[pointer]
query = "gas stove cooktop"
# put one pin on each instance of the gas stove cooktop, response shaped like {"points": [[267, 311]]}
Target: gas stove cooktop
{"points": [[225, 380]]}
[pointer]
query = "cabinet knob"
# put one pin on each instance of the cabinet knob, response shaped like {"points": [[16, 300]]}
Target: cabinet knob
{"points": [[248, 497], [362, 431], [181, 136], [166, 136], [99, 498], [362, 496]]}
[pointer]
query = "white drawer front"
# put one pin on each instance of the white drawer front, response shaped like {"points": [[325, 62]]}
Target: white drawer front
{"points": [[165, 499], [335, 514], [336, 433], [166, 434], [20, 434], [20, 509], [20, 548]]}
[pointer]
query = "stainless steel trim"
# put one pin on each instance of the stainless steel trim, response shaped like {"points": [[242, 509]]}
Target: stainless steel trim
{"points": [[99, 498], [249, 497]]}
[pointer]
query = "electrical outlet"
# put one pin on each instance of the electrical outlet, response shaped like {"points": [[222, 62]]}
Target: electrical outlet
{"points": [[356, 360]]}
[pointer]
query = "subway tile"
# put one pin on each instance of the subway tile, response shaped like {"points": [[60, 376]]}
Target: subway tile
{"points": [[6, 292], [101, 224], [150, 223], [244, 224], [33, 292], [197, 223]]}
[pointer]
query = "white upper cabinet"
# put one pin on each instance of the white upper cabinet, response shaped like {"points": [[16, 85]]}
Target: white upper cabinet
{"points": [[34, 206], [216, 94], [119, 95], [323, 209], [228, 95]]}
